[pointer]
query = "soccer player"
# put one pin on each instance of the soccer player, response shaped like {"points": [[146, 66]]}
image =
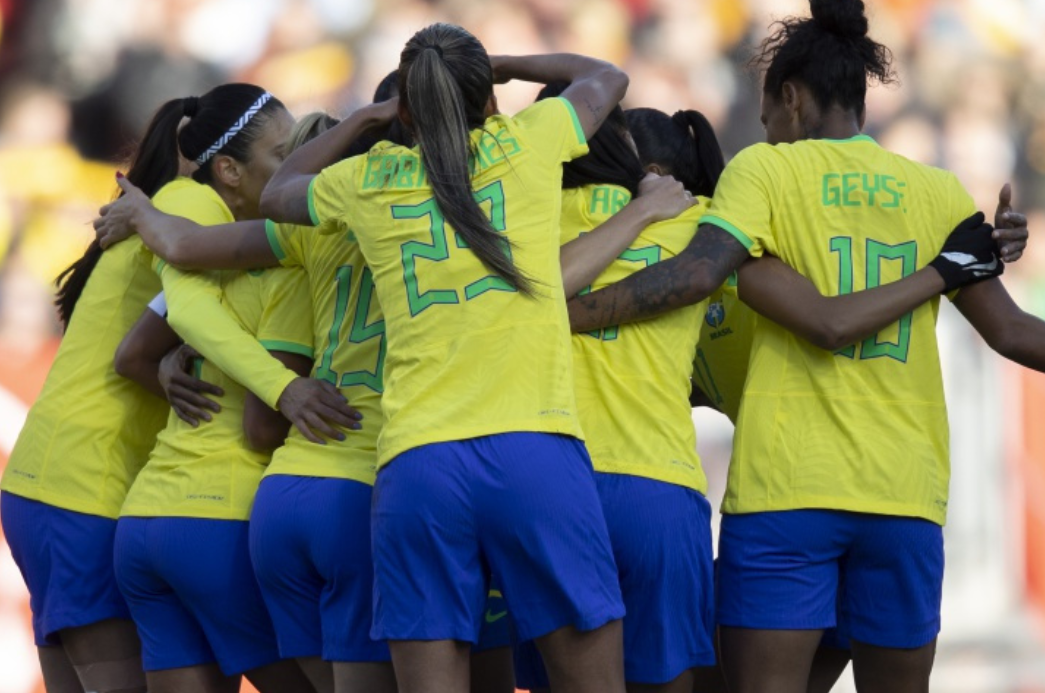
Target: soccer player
{"points": [[840, 466], [85, 439], [632, 385], [181, 547], [480, 460], [314, 500]]}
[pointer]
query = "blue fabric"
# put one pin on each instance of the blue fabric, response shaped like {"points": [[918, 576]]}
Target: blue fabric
{"points": [[798, 569], [661, 538], [66, 560], [493, 628], [520, 505], [310, 541], [191, 589]]}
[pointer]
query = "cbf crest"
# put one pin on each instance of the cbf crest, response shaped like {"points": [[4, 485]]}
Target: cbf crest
{"points": [[716, 314]]}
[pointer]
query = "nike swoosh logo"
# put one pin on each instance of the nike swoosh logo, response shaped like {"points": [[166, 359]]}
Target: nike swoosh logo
{"points": [[494, 618]]}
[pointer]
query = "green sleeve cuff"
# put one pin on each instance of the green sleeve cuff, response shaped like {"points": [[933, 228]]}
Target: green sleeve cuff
{"points": [[728, 228], [288, 347], [578, 130], [312, 214], [270, 232]]}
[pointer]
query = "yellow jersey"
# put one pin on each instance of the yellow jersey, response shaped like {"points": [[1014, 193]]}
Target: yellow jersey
{"points": [[210, 471], [194, 301], [724, 349], [91, 430], [349, 334], [632, 381], [863, 429], [467, 355]]}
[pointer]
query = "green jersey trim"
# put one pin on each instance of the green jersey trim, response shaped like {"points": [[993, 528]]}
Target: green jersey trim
{"points": [[728, 228], [270, 233], [578, 130], [312, 214], [288, 347]]}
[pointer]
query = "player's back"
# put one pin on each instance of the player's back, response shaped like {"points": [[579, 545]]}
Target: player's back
{"points": [[91, 430], [467, 355], [632, 380], [864, 428]]}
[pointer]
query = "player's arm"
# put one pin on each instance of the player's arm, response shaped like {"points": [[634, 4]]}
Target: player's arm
{"points": [[152, 355], [1008, 329], [265, 428], [781, 294], [195, 312], [286, 197], [596, 86], [180, 241], [686, 279], [584, 258]]}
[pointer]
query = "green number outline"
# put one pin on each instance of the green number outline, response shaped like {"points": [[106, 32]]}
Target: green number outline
{"points": [[438, 250], [647, 255], [359, 332], [876, 251]]}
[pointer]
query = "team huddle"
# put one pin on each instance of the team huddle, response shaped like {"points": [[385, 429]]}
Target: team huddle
{"points": [[403, 401]]}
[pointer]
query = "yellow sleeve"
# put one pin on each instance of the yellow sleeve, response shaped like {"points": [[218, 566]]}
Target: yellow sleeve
{"points": [[741, 205], [286, 318], [286, 242], [195, 312], [552, 128], [330, 191]]}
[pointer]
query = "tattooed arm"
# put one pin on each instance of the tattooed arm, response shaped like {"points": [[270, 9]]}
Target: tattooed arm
{"points": [[688, 278], [595, 87]]}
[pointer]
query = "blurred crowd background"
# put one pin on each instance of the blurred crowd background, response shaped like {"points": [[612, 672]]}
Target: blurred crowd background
{"points": [[79, 80]]}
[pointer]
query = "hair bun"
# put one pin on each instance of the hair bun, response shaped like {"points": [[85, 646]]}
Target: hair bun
{"points": [[190, 105], [842, 17]]}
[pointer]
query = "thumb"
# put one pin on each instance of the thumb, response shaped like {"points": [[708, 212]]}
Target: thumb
{"points": [[125, 185], [650, 176], [1005, 198]]}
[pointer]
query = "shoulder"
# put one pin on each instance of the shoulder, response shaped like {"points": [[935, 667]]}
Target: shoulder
{"points": [[185, 197]]}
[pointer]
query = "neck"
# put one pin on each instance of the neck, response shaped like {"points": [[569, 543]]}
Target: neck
{"points": [[835, 124], [234, 202]]}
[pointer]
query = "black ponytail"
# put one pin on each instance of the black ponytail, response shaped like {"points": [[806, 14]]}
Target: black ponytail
{"points": [[611, 158], [445, 82], [683, 146], [829, 52], [396, 133], [156, 161], [155, 164]]}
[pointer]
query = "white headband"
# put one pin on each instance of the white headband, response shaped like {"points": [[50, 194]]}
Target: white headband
{"points": [[234, 130]]}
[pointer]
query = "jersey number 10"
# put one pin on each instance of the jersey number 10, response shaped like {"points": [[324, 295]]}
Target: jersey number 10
{"points": [[907, 254]]}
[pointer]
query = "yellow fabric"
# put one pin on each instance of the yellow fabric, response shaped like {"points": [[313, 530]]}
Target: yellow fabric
{"points": [[194, 301], [466, 357], [210, 471], [632, 381], [726, 331], [349, 334], [864, 429], [90, 430]]}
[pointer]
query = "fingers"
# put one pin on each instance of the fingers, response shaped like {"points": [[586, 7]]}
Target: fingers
{"points": [[307, 432], [179, 391], [186, 417], [1014, 218], [1011, 242], [318, 424]]}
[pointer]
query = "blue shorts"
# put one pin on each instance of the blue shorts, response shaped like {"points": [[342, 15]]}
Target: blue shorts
{"points": [[310, 542], [798, 569], [661, 537], [192, 592], [520, 505], [66, 561]]}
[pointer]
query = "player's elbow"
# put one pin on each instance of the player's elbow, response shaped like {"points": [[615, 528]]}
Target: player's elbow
{"points": [[269, 205], [616, 81], [123, 362]]}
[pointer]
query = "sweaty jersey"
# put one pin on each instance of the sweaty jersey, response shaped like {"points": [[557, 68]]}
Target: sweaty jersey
{"points": [[91, 430], [632, 380], [726, 331], [865, 428], [467, 355], [210, 471], [349, 334]]}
